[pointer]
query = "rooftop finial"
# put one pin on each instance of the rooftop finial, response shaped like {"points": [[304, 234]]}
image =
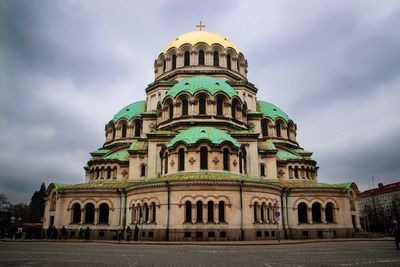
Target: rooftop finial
{"points": [[201, 26]]}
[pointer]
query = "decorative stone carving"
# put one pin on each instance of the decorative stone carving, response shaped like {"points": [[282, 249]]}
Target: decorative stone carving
{"points": [[192, 160], [215, 160]]}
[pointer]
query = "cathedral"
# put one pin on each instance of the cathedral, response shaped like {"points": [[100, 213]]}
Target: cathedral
{"points": [[203, 159]]}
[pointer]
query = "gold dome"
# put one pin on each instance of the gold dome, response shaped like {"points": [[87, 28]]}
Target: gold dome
{"points": [[195, 37]]}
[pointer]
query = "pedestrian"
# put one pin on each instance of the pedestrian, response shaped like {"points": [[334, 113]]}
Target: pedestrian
{"points": [[397, 236], [54, 233], [136, 233], [128, 233], [81, 232], [63, 233], [49, 232], [87, 233]]}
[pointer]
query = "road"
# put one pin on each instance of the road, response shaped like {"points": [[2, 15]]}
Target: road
{"points": [[351, 253]]}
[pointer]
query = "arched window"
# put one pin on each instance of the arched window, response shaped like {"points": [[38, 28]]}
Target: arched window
{"points": [[202, 105], [296, 172], [302, 213], [255, 207], [143, 170], [53, 201], [238, 65], [201, 57], [76, 213], [233, 110], [166, 163], [199, 211], [262, 211], [181, 159], [220, 107], [186, 58], [138, 128], [97, 173], [113, 132], [262, 169], [146, 212], [228, 62], [89, 213], [173, 62], [188, 211], [171, 110], [210, 211], [123, 131], [329, 212], [104, 213], [109, 172], [240, 162], [185, 107], [114, 176], [264, 126], [278, 129], [221, 211], [164, 65], [316, 212], [226, 159], [216, 59], [203, 158], [153, 208]]}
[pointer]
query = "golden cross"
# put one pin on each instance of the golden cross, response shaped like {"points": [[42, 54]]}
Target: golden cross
{"points": [[200, 26]]}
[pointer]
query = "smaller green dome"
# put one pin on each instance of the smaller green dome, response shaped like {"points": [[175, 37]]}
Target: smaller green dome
{"points": [[198, 83], [193, 135], [131, 111], [271, 111]]}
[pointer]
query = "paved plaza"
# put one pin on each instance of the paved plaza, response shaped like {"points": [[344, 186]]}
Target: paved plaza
{"points": [[347, 253]]}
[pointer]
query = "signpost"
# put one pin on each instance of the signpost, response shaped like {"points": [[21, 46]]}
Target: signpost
{"points": [[277, 215]]}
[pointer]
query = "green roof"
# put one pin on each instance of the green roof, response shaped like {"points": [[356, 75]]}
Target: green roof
{"points": [[138, 145], [271, 111], [121, 155], [266, 145], [131, 111], [286, 155], [195, 134], [199, 83]]}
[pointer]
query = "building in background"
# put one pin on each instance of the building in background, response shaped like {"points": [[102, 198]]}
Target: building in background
{"points": [[203, 159]]}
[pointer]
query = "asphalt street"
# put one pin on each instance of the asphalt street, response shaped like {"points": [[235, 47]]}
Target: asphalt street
{"points": [[351, 253]]}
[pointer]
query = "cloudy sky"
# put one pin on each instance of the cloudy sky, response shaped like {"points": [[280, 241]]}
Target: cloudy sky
{"points": [[66, 67]]}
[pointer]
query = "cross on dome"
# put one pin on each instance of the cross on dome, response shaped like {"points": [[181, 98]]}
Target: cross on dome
{"points": [[200, 26]]}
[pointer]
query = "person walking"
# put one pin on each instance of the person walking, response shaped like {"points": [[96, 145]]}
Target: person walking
{"points": [[87, 233], [136, 233], [128, 233], [81, 233], [63, 233]]}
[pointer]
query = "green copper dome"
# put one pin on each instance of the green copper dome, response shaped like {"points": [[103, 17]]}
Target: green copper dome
{"points": [[131, 111], [193, 135], [271, 111], [199, 83]]}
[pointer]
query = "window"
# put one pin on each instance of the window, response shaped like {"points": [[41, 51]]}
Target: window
{"points": [[278, 129], [201, 57], [76, 213], [103, 213], [255, 208], [202, 105], [221, 211], [329, 212], [186, 58], [296, 172], [262, 169], [233, 110], [185, 107], [164, 66], [146, 212], [143, 170], [89, 213], [199, 211], [220, 108], [113, 132], [153, 208], [188, 211], [174, 62], [166, 163], [316, 212], [138, 128], [203, 158], [262, 211], [171, 110], [240, 163], [226, 159], [264, 126], [53, 201], [238, 65], [210, 211], [108, 172], [123, 134], [302, 213], [228, 61], [216, 59], [97, 173], [181, 159]]}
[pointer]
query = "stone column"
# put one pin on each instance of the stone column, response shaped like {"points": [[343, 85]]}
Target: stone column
{"points": [[216, 214], [82, 216], [96, 216], [309, 215], [323, 217], [205, 214], [194, 213]]}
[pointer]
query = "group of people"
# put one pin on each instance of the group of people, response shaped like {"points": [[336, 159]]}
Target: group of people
{"points": [[128, 232], [52, 233]]}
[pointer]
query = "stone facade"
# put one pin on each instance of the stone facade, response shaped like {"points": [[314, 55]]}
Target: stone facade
{"points": [[202, 159]]}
